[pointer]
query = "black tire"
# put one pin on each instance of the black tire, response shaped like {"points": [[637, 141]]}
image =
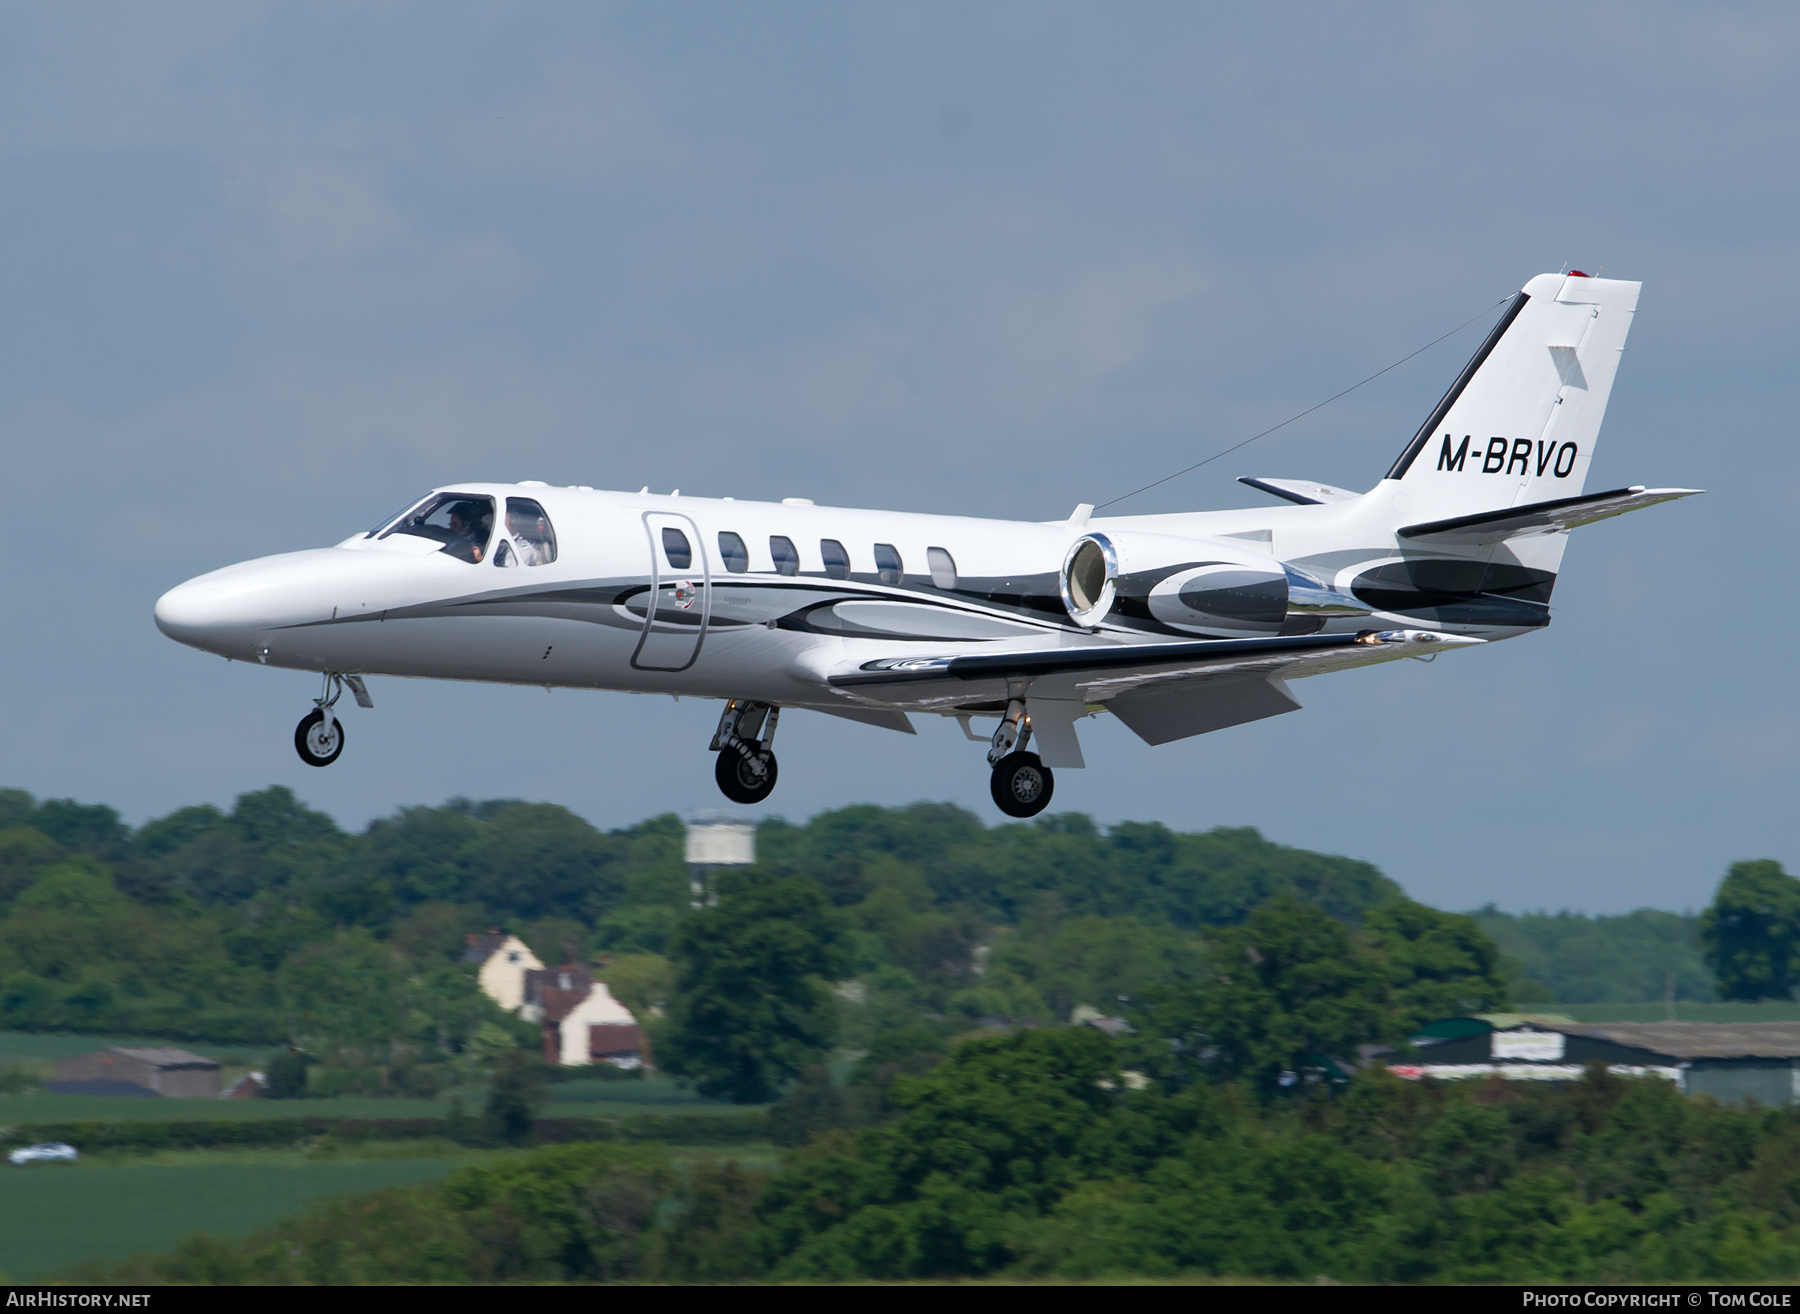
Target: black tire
{"points": [[305, 745], [1022, 785], [738, 783]]}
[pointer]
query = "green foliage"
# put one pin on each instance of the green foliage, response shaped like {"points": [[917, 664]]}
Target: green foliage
{"points": [[287, 1075], [515, 1094], [751, 1007], [1286, 992], [641, 982], [1144, 871], [1575, 959], [1051, 966], [1437, 964], [1751, 933], [1017, 1156]]}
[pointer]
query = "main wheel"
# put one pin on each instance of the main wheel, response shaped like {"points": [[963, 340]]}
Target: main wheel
{"points": [[316, 745], [1022, 785], [738, 782]]}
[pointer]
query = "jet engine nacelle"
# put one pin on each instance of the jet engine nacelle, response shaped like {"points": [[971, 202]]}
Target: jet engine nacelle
{"points": [[1204, 586]]}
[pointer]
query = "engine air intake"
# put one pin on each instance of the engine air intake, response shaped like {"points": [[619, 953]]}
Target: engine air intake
{"points": [[1089, 575]]}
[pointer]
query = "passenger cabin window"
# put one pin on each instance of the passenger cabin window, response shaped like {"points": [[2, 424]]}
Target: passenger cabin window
{"points": [[837, 561], [461, 522], [887, 564], [786, 555], [943, 567], [534, 542], [676, 549], [736, 556]]}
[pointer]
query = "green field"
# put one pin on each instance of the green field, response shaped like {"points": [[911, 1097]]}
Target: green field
{"points": [[52, 1215], [54, 1045]]}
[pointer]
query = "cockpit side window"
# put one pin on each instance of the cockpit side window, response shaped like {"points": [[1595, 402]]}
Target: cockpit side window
{"points": [[462, 522], [533, 538]]}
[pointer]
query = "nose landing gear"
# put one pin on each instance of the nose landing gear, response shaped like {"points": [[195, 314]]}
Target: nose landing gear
{"points": [[319, 738], [746, 768], [1021, 783]]}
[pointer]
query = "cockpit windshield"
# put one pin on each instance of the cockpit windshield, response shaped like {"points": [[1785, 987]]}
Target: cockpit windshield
{"points": [[462, 522]]}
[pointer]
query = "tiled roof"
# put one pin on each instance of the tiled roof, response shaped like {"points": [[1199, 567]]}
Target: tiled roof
{"points": [[160, 1056], [1696, 1040]]}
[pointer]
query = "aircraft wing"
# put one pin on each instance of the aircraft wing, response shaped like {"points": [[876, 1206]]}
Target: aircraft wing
{"points": [[1162, 691], [1541, 517]]}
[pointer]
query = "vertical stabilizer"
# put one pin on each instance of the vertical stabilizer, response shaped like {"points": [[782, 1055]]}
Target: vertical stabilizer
{"points": [[1520, 422]]}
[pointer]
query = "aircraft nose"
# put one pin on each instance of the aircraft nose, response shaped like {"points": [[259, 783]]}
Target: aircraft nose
{"points": [[216, 613]]}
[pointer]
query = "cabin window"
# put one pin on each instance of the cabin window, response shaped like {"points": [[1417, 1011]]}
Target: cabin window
{"points": [[888, 566], [837, 561], [786, 555], [676, 549], [732, 550], [504, 556], [461, 522], [533, 539], [943, 567]]}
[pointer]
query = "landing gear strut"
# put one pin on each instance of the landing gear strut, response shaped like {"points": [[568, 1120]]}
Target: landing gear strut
{"points": [[746, 767], [1021, 784], [319, 738]]}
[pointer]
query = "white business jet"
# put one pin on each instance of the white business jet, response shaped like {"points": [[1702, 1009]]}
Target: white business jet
{"points": [[1176, 624]]}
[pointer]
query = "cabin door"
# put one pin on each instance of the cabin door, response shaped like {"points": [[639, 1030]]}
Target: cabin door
{"points": [[679, 602]]}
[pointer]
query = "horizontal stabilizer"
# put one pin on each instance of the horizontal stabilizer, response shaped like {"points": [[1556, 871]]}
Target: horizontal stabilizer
{"points": [[1304, 491], [1542, 517]]}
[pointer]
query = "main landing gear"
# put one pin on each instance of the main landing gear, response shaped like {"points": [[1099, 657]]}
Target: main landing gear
{"points": [[1021, 784], [746, 767], [319, 738]]}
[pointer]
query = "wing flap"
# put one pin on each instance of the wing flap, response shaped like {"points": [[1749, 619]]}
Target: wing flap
{"points": [[1179, 709], [1102, 672], [1542, 517]]}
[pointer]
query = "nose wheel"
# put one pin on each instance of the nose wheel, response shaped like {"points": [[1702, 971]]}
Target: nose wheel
{"points": [[319, 738], [318, 741]]}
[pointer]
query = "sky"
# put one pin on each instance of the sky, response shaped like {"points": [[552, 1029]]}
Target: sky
{"points": [[272, 270]]}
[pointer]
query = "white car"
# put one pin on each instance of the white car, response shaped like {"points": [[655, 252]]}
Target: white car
{"points": [[42, 1152]]}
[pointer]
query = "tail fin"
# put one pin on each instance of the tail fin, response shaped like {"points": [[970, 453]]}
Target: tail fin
{"points": [[1519, 424]]}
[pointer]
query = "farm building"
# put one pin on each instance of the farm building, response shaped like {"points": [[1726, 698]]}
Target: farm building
{"points": [[1729, 1061], [121, 1070]]}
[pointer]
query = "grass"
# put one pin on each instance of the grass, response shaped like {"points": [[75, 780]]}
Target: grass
{"points": [[35, 1108], [15, 1045], [53, 1215]]}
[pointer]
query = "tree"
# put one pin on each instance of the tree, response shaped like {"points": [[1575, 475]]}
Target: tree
{"points": [[751, 1007], [516, 1093], [1279, 994], [1751, 934], [1438, 964]]}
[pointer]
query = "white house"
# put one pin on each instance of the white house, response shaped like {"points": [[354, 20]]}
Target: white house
{"points": [[504, 961]]}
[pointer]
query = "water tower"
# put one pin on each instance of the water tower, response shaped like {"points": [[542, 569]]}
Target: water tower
{"points": [[715, 840]]}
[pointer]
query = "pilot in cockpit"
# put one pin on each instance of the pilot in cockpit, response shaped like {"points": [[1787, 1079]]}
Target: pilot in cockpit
{"points": [[470, 524]]}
